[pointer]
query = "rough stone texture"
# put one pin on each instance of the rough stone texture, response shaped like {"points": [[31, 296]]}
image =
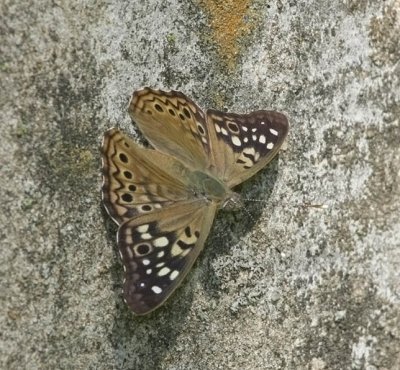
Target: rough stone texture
{"points": [[292, 286]]}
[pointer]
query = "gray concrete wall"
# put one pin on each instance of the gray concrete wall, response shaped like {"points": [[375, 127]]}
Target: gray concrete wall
{"points": [[294, 287]]}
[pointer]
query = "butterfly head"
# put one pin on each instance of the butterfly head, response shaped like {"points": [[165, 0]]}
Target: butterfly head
{"points": [[233, 202]]}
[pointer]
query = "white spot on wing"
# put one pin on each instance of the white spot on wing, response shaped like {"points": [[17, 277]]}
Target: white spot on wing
{"points": [[250, 151], [246, 139], [262, 139], [224, 132], [146, 262], [148, 271], [270, 145], [161, 242], [245, 129], [217, 128], [156, 289], [164, 271], [254, 129], [236, 141], [176, 250], [174, 274], [254, 137], [160, 254], [273, 132], [143, 228], [146, 236]]}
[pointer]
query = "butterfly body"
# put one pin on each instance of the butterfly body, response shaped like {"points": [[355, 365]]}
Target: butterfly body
{"points": [[209, 187], [165, 200]]}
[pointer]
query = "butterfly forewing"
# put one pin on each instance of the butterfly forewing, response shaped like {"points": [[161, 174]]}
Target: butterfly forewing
{"points": [[244, 143], [158, 250], [138, 180], [173, 124]]}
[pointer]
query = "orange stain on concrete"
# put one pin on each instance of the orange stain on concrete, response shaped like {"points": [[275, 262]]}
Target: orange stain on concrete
{"points": [[228, 24]]}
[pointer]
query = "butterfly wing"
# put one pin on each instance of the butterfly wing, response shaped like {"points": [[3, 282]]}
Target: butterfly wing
{"points": [[173, 124], [158, 250], [242, 144], [231, 146], [137, 180]]}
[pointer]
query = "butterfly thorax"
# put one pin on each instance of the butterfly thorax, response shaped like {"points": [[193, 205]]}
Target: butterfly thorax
{"points": [[208, 187]]}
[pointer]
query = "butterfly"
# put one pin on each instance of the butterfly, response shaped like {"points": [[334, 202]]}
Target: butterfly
{"points": [[165, 199]]}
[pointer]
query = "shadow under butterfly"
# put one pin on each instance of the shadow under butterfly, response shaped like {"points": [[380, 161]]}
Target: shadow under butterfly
{"points": [[165, 199]]}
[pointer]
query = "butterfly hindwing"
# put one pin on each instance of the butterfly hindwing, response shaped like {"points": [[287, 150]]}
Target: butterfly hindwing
{"points": [[244, 143], [158, 250]]}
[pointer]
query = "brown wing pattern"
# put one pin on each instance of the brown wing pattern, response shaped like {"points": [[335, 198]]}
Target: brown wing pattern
{"points": [[159, 249], [173, 124], [138, 180], [243, 144]]}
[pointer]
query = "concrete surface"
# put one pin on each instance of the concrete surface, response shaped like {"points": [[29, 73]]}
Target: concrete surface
{"points": [[293, 286]]}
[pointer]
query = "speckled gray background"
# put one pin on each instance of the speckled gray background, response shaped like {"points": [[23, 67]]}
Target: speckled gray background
{"points": [[292, 286]]}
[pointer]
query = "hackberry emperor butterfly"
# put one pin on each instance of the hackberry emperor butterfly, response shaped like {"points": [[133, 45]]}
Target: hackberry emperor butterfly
{"points": [[165, 200]]}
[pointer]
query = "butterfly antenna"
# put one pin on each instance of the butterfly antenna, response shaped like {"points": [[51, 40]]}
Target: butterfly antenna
{"points": [[303, 205], [311, 205], [254, 200], [248, 213]]}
